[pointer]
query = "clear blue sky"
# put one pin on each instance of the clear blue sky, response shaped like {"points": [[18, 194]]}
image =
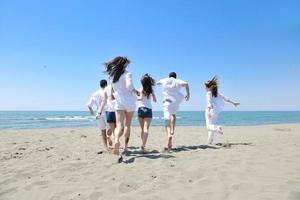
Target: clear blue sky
{"points": [[51, 52]]}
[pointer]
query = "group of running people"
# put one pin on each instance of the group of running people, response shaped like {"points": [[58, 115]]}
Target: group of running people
{"points": [[113, 105]]}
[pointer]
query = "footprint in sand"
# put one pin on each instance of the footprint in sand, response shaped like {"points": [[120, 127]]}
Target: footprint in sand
{"points": [[125, 187], [95, 195]]}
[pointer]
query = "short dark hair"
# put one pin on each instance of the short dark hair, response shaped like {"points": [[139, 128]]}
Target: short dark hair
{"points": [[103, 83], [172, 74]]}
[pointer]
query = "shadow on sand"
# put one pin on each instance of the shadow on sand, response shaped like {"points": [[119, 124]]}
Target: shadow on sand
{"points": [[135, 153]]}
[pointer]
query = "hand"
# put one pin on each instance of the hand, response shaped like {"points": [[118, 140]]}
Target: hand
{"points": [[98, 117], [187, 97], [236, 104], [137, 93]]}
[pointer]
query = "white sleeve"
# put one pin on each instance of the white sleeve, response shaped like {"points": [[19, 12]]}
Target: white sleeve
{"points": [[91, 102], [209, 100], [129, 82], [160, 82], [181, 82]]}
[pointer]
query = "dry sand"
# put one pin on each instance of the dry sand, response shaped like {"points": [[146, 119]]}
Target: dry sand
{"points": [[258, 162]]}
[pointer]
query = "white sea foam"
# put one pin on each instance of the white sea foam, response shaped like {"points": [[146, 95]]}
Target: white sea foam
{"points": [[71, 118]]}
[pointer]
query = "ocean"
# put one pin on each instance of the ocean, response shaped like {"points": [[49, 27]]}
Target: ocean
{"points": [[13, 120]]}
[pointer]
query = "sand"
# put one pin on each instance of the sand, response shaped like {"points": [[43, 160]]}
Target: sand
{"points": [[257, 162]]}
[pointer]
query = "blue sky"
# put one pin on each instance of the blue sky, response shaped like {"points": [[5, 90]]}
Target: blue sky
{"points": [[51, 52]]}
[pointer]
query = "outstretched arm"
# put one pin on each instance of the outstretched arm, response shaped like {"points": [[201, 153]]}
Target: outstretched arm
{"points": [[230, 101]]}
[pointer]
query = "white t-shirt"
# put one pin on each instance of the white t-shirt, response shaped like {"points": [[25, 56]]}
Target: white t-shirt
{"points": [[110, 101], [96, 99], [123, 90], [171, 89], [216, 103], [145, 102]]}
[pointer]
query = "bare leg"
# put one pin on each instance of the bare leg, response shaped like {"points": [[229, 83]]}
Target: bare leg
{"points": [[112, 128], [104, 138], [120, 116], [128, 120], [168, 130], [172, 131], [109, 137], [147, 123], [141, 122]]}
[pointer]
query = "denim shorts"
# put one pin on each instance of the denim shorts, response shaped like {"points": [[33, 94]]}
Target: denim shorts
{"points": [[144, 112], [110, 117]]}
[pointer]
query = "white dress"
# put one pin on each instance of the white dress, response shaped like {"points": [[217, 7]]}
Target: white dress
{"points": [[123, 93], [217, 105]]}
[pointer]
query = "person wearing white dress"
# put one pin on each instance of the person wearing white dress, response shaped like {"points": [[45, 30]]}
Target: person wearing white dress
{"points": [[93, 105], [215, 104], [125, 95], [145, 107], [172, 99]]}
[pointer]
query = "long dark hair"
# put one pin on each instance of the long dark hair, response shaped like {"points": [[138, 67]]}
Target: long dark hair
{"points": [[116, 67], [147, 82], [213, 85]]}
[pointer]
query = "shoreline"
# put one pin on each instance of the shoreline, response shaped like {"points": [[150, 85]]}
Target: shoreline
{"points": [[154, 126]]}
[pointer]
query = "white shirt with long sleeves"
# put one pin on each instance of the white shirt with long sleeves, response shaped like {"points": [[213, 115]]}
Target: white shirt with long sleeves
{"points": [[110, 99], [171, 89], [123, 90], [215, 103], [96, 99]]}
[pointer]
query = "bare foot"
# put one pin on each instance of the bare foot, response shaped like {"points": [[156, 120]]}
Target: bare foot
{"points": [[220, 130], [170, 143], [116, 150], [142, 149]]}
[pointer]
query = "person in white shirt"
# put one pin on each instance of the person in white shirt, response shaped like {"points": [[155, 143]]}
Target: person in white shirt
{"points": [[108, 102], [215, 104], [145, 107], [93, 105], [172, 99], [125, 95]]}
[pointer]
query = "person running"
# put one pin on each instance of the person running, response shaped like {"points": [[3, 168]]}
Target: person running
{"points": [[215, 104], [172, 99], [93, 105], [125, 95], [145, 107], [108, 102]]}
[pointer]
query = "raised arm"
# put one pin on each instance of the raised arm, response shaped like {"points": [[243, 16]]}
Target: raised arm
{"points": [[160, 82]]}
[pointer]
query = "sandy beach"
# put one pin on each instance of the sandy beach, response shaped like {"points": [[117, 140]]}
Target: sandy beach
{"points": [[255, 162]]}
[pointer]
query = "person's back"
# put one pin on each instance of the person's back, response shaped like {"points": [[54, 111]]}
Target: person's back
{"points": [[110, 99], [171, 89], [123, 89], [95, 99]]}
